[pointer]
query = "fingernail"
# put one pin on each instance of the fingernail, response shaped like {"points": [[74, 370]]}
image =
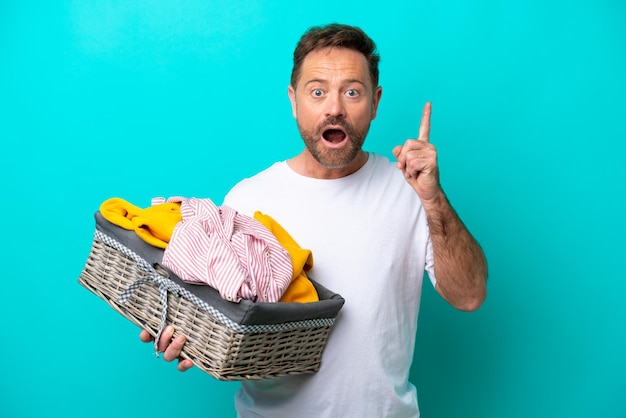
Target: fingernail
{"points": [[180, 338], [169, 329]]}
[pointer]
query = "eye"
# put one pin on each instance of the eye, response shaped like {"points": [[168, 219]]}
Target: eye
{"points": [[317, 93], [352, 93]]}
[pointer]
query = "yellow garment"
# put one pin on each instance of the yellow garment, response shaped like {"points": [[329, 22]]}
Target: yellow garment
{"points": [[301, 289], [154, 225]]}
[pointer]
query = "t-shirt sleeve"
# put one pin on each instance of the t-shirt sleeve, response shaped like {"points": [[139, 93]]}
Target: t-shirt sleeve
{"points": [[241, 198], [430, 261]]}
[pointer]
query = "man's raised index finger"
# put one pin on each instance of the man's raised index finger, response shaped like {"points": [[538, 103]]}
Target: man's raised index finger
{"points": [[424, 133]]}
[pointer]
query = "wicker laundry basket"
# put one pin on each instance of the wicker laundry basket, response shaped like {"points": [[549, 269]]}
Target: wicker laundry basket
{"points": [[229, 341]]}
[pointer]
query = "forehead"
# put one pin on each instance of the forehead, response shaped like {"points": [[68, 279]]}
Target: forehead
{"points": [[335, 63]]}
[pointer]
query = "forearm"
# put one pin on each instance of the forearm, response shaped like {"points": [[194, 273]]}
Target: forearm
{"points": [[460, 265]]}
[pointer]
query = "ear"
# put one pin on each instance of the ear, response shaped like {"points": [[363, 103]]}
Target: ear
{"points": [[376, 99], [292, 98]]}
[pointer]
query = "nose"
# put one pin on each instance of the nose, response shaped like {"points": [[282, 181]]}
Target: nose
{"points": [[335, 106]]}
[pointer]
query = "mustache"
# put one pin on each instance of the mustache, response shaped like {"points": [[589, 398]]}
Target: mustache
{"points": [[335, 121]]}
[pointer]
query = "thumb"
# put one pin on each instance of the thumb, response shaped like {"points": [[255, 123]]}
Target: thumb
{"points": [[396, 150]]}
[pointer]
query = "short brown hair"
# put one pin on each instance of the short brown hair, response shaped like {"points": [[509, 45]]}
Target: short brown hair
{"points": [[335, 35]]}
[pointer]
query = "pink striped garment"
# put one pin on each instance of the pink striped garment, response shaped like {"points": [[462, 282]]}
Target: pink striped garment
{"points": [[229, 251]]}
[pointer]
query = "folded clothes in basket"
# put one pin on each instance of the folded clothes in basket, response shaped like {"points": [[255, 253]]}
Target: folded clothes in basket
{"points": [[245, 257], [230, 341]]}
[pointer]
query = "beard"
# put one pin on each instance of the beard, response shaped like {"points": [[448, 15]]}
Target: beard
{"points": [[333, 158]]}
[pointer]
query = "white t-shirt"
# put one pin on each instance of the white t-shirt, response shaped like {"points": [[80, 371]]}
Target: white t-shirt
{"points": [[370, 243]]}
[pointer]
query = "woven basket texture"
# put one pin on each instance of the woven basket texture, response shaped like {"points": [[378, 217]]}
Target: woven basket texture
{"points": [[215, 348]]}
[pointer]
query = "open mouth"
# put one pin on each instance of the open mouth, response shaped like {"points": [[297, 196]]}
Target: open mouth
{"points": [[334, 135]]}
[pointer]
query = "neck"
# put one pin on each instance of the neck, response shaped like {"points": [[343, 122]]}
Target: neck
{"points": [[306, 165]]}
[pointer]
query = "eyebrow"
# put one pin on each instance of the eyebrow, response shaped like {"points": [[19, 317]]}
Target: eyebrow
{"points": [[347, 81]]}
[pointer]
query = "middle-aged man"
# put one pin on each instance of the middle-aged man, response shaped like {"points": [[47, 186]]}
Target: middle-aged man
{"points": [[374, 227]]}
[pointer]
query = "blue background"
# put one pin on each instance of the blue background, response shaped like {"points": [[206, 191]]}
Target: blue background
{"points": [[155, 98]]}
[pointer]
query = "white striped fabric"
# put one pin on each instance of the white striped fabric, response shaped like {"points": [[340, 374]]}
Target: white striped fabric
{"points": [[160, 200], [229, 251]]}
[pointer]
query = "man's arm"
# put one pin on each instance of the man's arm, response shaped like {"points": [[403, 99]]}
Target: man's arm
{"points": [[460, 264]]}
